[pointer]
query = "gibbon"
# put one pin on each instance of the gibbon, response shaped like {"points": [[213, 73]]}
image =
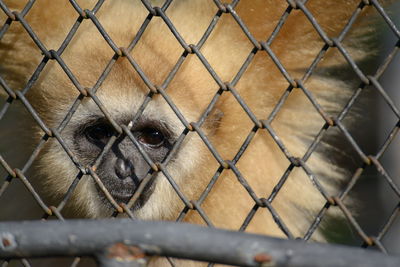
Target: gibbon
{"points": [[122, 68]]}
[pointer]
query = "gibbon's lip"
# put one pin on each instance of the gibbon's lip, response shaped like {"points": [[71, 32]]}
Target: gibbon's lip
{"points": [[123, 192]]}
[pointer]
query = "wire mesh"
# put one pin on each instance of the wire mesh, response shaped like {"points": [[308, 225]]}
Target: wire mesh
{"points": [[160, 89]]}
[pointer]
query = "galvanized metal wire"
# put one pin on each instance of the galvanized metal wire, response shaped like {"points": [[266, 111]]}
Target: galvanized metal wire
{"points": [[224, 87]]}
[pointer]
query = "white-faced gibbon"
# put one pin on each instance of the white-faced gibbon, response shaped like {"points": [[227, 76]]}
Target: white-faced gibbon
{"points": [[94, 75]]}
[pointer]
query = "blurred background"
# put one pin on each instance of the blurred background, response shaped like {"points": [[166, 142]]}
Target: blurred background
{"points": [[391, 159]]}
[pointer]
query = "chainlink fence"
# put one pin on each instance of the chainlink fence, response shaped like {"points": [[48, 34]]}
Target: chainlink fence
{"points": [[126, 242]]}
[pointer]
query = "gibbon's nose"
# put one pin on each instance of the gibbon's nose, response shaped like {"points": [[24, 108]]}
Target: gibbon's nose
{"points": [[123, 168]]}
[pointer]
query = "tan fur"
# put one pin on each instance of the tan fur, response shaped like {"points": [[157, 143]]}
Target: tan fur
{"points": [[263, 164]]}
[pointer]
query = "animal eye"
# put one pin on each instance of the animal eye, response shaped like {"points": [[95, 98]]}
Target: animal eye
{"points": [[151, 137], [99, 132]]}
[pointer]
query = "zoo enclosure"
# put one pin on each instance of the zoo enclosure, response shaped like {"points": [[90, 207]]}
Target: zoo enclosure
{"points": [[12, 239]]}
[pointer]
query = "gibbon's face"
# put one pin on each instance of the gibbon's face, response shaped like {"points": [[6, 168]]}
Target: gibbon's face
{"points": [[123, 168]]}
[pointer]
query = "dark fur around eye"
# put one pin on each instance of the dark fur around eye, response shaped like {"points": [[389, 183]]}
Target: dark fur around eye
{"points": [[100, 132], [152, 137]]}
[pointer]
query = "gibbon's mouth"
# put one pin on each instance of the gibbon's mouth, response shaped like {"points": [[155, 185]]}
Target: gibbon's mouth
{"points": [[123, 191]]}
